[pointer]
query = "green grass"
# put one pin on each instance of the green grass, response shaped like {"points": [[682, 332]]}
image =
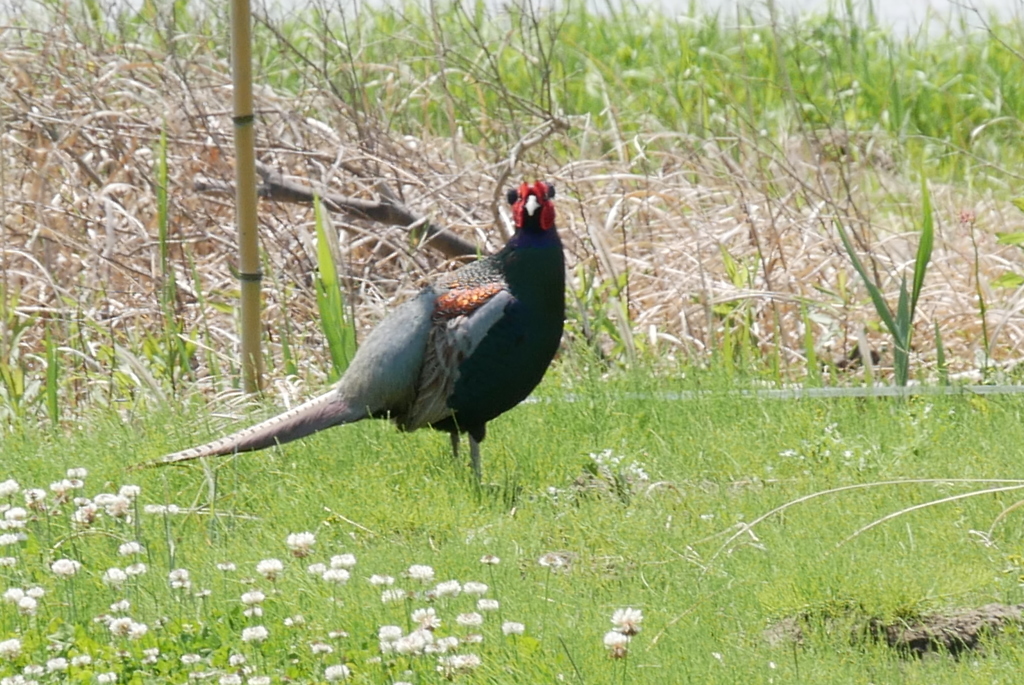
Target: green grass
{"points": [[395, 500]]}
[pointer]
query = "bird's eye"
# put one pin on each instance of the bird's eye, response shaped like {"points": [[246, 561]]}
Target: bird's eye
{"points": [[513, 196], [551, 191]]}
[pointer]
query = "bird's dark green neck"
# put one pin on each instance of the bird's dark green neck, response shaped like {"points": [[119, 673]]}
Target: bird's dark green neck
{"points": [[534, 268], [533, 236]]}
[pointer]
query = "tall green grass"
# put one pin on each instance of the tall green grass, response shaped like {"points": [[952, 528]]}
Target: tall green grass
{"points": [[951, 101], [900, 322], [337, 325]]}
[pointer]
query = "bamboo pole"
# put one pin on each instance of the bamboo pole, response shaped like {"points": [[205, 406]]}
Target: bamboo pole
{"points": [[249, 273]]}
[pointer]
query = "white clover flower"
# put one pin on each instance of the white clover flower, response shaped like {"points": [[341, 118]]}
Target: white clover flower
{"points": [[381, 580], [426, 618], [443, 646], [393, 595], [61, 489], [236, 660], [270, 568], [226, 566], [616, 643], [316, 569], [337, 634], [114, 577], [449, 588], [490, 560], [136, 569], [512, 628], [121, 606], [35, 592], [255, 634], [470, 620], [336, 575], [78, 473], [15, 514], [65, 568], [57, 665], [162, 509], [474, 588], [9, 487], [253, 612], [552, 560], [421, 573], [253, 597], [343, 561], [190, 659], [137, 630], [106, 678], [230, 679], [81, 660], [414, 642], [129, 491], [8, 562], [85, 515], [336, 673], [296, 620], [627, 621], [321, 648], [13, 595], [118, 507], [34, 498], [8, 539], [10, 649], [120, 627], [300, 544], [33, 671], [258, 680], [179, 579], [27, 606], [449, 666], [130, 548], [389, 633], [487, 605]]}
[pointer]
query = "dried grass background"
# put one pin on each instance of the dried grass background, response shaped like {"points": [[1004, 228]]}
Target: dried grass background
{"points": [[707, 236]]}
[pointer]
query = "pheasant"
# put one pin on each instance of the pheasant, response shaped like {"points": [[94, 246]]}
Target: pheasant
{"points": [[465, 350]]}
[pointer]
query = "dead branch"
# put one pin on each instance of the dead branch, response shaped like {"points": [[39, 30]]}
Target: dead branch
{"points": [[389, 212]]}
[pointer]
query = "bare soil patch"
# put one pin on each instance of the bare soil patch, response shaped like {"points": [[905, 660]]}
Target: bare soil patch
{"points": [[953, 632]]}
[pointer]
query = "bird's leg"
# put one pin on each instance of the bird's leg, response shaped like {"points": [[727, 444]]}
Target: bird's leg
{"points": [[474, 457], [455, 444]]}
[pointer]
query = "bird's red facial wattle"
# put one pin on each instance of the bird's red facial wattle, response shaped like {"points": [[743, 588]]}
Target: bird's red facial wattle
{"points": [[533, 200]]}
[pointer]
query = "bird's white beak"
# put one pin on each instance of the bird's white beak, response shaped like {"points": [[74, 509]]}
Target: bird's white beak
{"points": [[532, 204]]}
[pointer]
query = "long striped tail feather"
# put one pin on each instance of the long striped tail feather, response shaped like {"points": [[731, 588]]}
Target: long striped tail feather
{"points": [[309, 417]]}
